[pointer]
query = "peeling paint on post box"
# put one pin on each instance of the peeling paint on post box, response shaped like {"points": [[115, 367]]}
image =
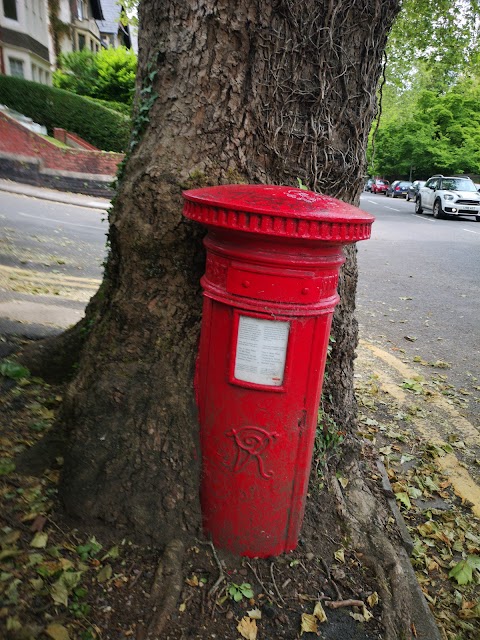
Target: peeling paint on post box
{"points": [[273, 258]]}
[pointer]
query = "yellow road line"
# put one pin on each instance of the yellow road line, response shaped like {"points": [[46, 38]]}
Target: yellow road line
{"points": [[46, 278], [467, 430], [462, 482]]}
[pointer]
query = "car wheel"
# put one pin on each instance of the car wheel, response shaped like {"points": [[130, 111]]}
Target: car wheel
{"points": [[418, 205], [477, 218], [437, 210]]}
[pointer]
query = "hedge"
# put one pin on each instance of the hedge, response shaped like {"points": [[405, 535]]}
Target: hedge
{"points": [[121, 107], [104, 128]]}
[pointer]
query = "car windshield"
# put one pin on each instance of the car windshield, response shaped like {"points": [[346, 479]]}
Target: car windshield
{"points": [[458, 184]]}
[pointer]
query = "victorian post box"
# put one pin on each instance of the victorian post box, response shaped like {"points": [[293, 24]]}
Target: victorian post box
{"points": [[270, 289]]}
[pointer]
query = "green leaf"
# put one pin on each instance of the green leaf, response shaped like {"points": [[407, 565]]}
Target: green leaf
{"points": [[402, 496], [12, 591], [59, 592], [246, 590], [89, 549], [112, 553], [462, 572], [63, 587], [413, 492], [13, 370], [6, 466], [105, 573]]}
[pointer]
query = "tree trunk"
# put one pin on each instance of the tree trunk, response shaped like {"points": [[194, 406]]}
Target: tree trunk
{"points": [[248, 91]]}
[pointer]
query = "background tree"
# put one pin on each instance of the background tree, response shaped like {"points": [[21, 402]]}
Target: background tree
{"points": [[432, 59], [250, 91], [430, 133]]}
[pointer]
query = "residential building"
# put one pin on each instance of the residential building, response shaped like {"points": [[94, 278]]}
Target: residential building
{"points": [[31, 41], [24, 40], [85, 31], [113, 33]]}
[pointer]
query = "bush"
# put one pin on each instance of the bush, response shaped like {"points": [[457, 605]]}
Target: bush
{"points": [[104, 128], [107, 75]]}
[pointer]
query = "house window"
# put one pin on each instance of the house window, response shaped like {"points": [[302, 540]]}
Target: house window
{"points": [[81, 41], [10, 9], [16, 67], [34, 73], [82, 10]]}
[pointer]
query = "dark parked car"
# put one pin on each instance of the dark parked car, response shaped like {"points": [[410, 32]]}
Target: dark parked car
{"points": [[413, 189], [398, 189], [379, 186]]}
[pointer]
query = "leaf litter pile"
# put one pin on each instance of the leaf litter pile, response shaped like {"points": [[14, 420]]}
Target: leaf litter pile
{"points": [[415, 433], [60, 580]]}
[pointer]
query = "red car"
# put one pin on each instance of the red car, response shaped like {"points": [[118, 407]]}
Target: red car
{"points": [[380, 186]]}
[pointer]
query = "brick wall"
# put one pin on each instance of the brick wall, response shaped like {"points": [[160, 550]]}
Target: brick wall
{"points": [[16, 139], [72, 140]]}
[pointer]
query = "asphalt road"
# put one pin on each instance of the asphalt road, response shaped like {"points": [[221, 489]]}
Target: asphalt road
{"points": [[419, 289], [50, 262]]}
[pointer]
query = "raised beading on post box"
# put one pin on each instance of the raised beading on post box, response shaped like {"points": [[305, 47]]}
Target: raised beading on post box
{"points": [[270, 289]]}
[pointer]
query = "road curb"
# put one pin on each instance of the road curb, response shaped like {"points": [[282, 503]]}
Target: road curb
{"points": [[61, 197], [425, 626]]}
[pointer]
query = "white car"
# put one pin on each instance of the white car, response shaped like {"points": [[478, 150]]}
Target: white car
{"points": [[446, 197]]}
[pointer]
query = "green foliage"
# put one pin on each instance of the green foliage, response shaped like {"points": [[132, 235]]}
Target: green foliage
{"points": [[462, 572], [13, 370], [104, 128], [239, 591], [106, 75], [328, 437], [430, 120], [441, 35], [440, 133], [77, 72], [120, 107], [89, 550]]}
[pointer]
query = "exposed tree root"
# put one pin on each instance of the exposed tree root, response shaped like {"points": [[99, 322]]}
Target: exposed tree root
{"points": [[53, 358], [42, 455], [366, 522], [167, 587]]}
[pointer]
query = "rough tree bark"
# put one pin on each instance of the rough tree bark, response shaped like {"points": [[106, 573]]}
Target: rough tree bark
{"points": [[248, 91]]}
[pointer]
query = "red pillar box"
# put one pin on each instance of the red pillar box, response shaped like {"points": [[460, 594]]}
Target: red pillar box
{"points": [[270, 288]]}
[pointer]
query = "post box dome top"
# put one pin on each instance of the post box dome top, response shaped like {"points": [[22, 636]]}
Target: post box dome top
{"points": [[278, 211]]}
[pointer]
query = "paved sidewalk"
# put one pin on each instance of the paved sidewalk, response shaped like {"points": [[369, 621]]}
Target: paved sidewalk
{"points": [[54, 196]]}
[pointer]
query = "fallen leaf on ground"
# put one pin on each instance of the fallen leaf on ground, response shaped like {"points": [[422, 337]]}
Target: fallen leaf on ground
{"points": [[319, 613], [373, 599], [255, 614], [309, 624], [39, 540], [105, 573], [340, 555], [247, 628], [57, 632]]}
